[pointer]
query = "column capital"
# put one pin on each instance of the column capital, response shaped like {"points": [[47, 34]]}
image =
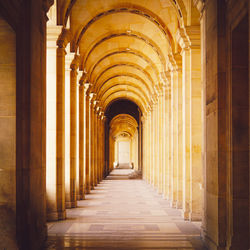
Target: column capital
{"points": [[182, 38], [83, 80], [189, 37], [64, 38], [53, 31], [92, 98], [75, 62], [86, 86]]}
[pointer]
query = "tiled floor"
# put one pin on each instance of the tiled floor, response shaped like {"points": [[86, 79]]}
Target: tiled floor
{"points": [[123, 214]]}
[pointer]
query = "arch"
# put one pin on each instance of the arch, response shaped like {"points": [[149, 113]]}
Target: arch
{"points": [[134, 66], [125, 51], [125, 85], [103, 84], [124, 95], [128, 89]]}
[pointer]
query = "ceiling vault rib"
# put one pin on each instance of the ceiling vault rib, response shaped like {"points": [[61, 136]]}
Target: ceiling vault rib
{"points": [[127, 65]]}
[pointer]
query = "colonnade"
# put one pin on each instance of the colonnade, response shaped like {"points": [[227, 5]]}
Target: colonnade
{"points": [[75, 128], [173, 129]]}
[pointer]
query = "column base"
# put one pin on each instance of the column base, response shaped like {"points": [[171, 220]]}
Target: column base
{"points": [[173, 204], [71, 204], [195, 216], [185, 215], [87, 191], [55, 216], [210, 243], [82, 196], [179, 204]]}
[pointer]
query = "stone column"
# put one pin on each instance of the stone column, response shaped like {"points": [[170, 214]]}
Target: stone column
{"points": [[8, 137], [92, 134], [82, 137], [99, 142], [166, 121], [169, 180], [144, 131], [189, 40], [179, 203], [68, 59], [60, 123], [152, 167], [196, 125], [160, 140], [96, 134], [174, 124], [87, 139], [149, 143], [51, 176], [73, 132], [164, 140], [103, 119]]}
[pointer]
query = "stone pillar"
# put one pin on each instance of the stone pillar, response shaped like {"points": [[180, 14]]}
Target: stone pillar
{"points": [[95, 143], [196, 125], [179, 203], [70, 169], [164, 140], [51, 176], [99, 145], [153, 140], [189, 40], [87, 139], [92, 135], [174, 129], [169, 179], [150, 145], [166, 121], [8, 132], [82, 137], [103, 118], [60, 123], [160, 140], [144, 145]]}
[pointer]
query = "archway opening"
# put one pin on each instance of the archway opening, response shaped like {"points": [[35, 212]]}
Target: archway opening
{"points": [[123, 140]]}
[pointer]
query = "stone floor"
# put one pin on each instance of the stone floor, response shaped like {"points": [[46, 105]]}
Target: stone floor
{"points": [[123, 214]]}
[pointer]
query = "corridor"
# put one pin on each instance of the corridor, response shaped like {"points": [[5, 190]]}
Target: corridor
{"points": [[123, 213]]}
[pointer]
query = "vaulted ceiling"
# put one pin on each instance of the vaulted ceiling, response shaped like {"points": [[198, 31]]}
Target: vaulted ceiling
{"points": [[124, 46]]}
